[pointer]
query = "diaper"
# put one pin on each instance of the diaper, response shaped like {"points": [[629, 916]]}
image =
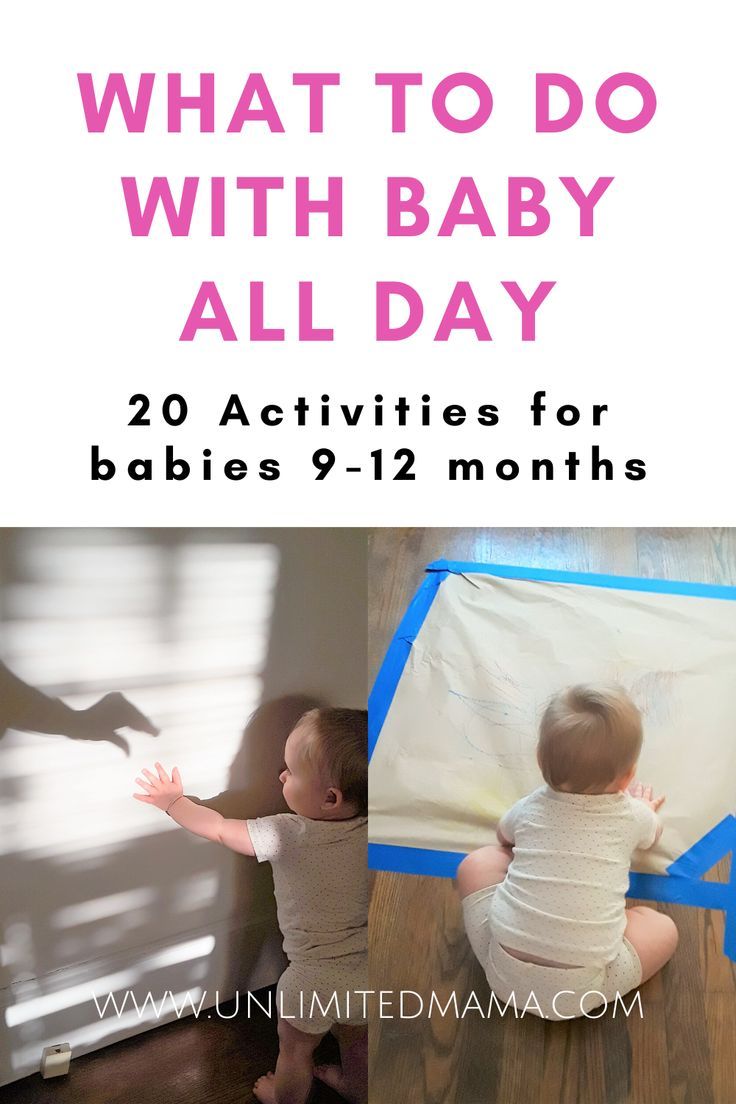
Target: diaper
{"points": [[312, 996], [552, 992]]}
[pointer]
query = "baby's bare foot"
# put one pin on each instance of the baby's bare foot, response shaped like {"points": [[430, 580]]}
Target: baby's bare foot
{"points": [[334, 1077], [263, 1089]]}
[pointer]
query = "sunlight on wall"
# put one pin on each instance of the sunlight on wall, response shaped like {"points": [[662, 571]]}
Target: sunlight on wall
{"points": [[32, 1009], [183, 631], [91, 880]]}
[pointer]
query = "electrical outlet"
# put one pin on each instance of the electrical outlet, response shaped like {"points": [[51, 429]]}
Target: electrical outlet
{"points": [[55, 1060]]}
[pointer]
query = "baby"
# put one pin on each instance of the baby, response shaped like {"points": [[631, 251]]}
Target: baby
{"points": [[545, 910], [318, 855]]}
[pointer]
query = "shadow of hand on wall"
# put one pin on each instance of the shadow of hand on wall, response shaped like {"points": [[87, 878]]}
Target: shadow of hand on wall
{"points": [[29, 710]]}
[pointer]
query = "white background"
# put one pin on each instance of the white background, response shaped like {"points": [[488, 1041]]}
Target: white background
{"points": [[640, 317]]}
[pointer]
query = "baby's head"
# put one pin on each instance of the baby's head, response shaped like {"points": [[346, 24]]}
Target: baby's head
{"points": [[589, 740], [326, 755]]}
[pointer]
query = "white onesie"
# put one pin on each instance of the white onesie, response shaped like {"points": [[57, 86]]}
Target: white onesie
{"points": [[563, 898], [321, 887]]}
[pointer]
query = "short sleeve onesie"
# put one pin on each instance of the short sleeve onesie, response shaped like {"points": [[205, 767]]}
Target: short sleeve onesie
{"points": [[564, 895]]}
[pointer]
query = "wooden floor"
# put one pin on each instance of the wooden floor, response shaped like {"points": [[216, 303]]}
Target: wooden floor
{"points": [[683, 1051], [192, 1061]]}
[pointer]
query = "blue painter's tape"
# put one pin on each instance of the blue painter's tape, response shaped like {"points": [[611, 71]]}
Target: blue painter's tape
{"points": [[683, 883], [582, 578], [704, 854], [677, 890], [393, 665], [413, 860]]}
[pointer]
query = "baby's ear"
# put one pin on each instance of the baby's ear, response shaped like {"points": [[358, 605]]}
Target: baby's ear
{"points": [[333, 798]]}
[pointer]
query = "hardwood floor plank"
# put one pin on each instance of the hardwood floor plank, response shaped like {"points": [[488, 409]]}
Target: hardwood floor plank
{"points": [[688, 1045], [719, 1012]]}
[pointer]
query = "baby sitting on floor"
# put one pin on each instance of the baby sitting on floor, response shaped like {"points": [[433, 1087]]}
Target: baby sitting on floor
{"points": [[545, 909]]}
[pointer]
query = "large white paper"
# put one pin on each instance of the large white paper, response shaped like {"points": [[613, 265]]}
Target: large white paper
{"points": [[458, 744]]}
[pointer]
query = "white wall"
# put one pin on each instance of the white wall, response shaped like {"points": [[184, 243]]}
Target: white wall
{"points": [[104, 894]]}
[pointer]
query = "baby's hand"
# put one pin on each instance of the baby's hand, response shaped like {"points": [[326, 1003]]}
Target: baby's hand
{"points": [[162, 791], [645, 794]]}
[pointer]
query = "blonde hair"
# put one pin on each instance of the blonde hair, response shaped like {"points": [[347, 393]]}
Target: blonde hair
{"points": [[338, 748], [589, 737]]}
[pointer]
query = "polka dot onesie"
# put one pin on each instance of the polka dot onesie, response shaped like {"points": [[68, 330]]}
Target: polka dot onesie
{"points": [[564, 895], [563, 899], [321, 886]]}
